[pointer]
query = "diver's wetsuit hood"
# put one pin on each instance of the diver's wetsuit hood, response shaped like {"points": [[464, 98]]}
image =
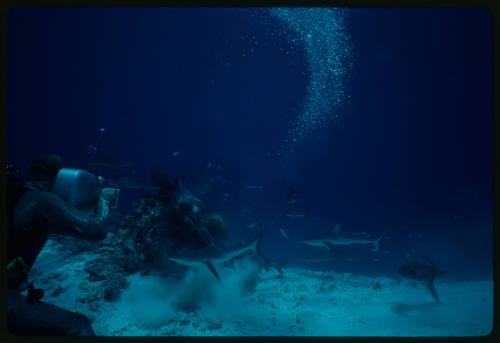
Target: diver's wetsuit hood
{"points": [[44, 170]]}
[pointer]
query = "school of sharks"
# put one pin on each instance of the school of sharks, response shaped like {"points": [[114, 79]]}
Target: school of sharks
{"points": [[417, 269]]}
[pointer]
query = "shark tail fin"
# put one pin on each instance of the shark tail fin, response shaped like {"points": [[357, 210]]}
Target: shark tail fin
{"points": [[432, 288], [377, 241], [256, 245], [430, 285]]}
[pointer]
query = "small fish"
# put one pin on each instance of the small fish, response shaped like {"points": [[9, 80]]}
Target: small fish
{"points": [[110, 165], [131, 183], [315, 261], [220, 179], [283, 233], [252, 225], [293, 195], [354, 259], [295, 215], [175, 154], [247, 210], [255, 187]]}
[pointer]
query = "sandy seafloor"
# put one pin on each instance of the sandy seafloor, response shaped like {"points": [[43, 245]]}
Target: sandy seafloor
{"points": [[299, 303]]}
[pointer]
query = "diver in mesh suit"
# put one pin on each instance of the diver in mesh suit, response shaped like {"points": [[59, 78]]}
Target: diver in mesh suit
{"points": [[33, 212]]}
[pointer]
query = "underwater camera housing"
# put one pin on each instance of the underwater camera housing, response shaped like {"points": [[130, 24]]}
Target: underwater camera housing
{"points": [[82, 189], [76, 186]]}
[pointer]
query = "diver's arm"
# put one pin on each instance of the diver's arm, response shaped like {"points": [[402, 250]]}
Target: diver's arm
{"points": [[58, 216]]}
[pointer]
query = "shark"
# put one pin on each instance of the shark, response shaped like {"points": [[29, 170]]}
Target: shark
{"points": [[423, 273], [185, 200], [212, 256], [336, 237]]}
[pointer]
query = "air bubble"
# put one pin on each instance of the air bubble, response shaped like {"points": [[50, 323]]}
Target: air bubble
{"points": [[328, 61]]}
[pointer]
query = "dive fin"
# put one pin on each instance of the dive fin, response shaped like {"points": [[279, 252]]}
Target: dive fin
{"points": [[213, 270]]}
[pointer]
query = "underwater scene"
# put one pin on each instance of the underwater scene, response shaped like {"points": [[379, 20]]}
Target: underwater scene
{"points": [[249, 172]]}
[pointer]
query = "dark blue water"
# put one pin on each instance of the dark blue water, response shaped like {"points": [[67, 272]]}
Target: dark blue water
{"points": [[411, 151]]}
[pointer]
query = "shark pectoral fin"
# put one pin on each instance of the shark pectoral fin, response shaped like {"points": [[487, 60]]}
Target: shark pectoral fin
{"points": [[213, 270], [432, 288], [256, 245]]}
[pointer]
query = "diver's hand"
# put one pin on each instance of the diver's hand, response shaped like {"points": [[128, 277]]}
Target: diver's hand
{"points": [[102, 210]]}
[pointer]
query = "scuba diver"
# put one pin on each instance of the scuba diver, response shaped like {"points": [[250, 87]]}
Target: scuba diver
{"points": [[53, 200]]}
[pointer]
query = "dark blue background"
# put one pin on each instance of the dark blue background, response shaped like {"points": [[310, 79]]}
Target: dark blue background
{"points": [[411, 151]]}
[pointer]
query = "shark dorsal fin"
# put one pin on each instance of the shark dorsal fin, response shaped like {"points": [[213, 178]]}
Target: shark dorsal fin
{"points": [[336, 229]]}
